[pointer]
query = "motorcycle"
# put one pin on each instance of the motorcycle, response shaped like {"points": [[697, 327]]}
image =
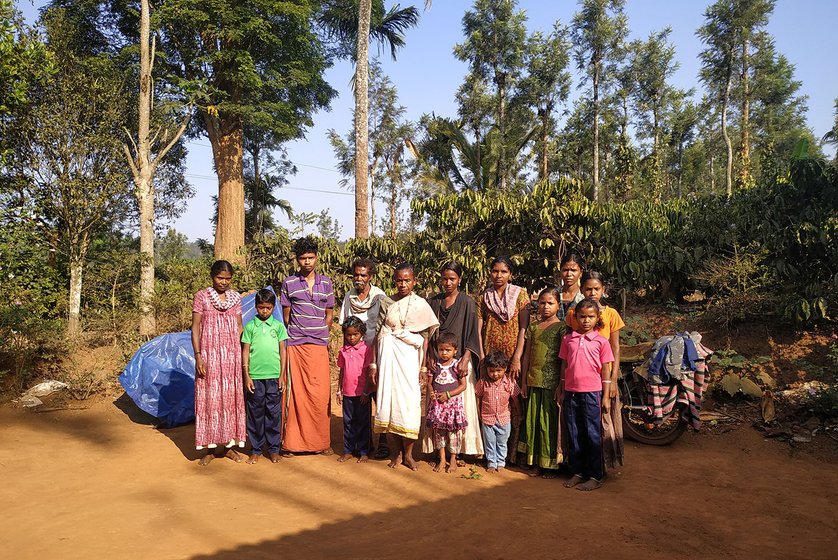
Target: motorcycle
{"points": [[638, 422]]}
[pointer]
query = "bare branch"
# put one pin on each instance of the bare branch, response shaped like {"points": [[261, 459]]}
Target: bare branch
{"points": [[134, 171], [156, 136], [180, 131], [134, 144]]}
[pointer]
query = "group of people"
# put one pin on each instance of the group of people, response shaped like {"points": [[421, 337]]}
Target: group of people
{"points": [[477, 363]]}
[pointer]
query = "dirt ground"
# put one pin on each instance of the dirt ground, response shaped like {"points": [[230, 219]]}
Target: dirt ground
{"points": [[102, 483]]}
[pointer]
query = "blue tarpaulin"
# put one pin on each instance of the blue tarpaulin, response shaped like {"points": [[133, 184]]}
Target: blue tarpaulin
{"points": [[160, 378]]}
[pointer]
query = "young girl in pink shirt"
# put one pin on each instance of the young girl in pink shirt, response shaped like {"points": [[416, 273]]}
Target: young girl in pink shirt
{"points": [[353, 360], [585, 374]]}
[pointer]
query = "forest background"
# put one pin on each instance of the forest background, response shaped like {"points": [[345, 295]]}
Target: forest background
{"points": [[556, 135]]}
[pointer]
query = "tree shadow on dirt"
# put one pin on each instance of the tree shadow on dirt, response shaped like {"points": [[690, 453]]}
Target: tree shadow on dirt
{"points": [[72, 424], [183, 437], [533, 519]]}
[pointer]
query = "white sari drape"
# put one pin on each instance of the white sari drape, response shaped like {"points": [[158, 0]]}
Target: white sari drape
{"points": [[398, 396]]}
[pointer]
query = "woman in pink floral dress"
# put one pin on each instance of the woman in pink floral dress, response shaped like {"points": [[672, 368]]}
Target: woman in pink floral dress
{"points": [[219, 399]]}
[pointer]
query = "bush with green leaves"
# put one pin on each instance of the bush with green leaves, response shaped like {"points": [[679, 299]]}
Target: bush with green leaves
{"points": [[31, 328]]}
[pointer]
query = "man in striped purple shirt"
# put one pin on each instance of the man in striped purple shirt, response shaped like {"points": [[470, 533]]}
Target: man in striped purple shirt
{"points": [[308, 302]]}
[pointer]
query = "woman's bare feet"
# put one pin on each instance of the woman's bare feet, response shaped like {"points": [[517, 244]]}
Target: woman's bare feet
{"points": [[207, 458], [363, 459], [573, 481], [533, 472], [590, 484], [328, 451], [253, 459], [344, 458], [410, 463], [275, 457], [548, 474], [233, 455], [394, 460]]}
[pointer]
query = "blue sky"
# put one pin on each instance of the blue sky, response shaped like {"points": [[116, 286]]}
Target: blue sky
{"points": [[427, 75]]}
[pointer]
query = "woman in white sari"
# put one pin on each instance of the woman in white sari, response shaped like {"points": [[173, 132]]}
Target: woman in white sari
{"points": [[400, 352]]}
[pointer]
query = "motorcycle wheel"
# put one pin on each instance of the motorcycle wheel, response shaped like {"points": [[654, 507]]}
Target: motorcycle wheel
{"points": [[636, 425], [652, 434]]}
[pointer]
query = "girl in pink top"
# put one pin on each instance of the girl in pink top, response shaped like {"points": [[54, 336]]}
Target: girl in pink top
{"points": [[585, 374], [353, 395]]}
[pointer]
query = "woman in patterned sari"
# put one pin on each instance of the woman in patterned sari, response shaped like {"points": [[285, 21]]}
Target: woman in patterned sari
{"points": [[502, 319]]}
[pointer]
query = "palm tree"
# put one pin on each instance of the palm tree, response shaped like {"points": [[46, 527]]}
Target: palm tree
{"points": [[447, 161], [352, 23]]}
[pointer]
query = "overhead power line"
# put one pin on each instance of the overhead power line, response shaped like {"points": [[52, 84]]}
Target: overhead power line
{"points": [[325, 191], [299, 164]]}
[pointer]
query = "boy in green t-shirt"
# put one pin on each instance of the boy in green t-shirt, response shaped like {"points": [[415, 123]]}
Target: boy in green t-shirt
{"points": [[263, 362]]}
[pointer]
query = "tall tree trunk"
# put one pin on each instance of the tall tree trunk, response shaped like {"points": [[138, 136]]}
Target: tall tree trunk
{"points": [[393, 199], [656, 160], [502, 131], [145, 200], [712, 174], [596, 131], [76, 267], [227, 141], [728, 144], [257, 211], [144, 179], [745, 179], [479, 154], [545, 122], [656, 129], [625, 118], [372, 200], [143, 167], [362, 119]]}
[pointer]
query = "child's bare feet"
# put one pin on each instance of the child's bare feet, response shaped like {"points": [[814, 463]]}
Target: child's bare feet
{"points": [[363, 459], [206, 459], [534, 471], [437, 466], [461, 463], [275, 457], [452, 466], [344, 458], [253, 459], [590, 484], [491, 469], [410, 463], [328, 451], [573, 481], [499, 469], [233, 455]]}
